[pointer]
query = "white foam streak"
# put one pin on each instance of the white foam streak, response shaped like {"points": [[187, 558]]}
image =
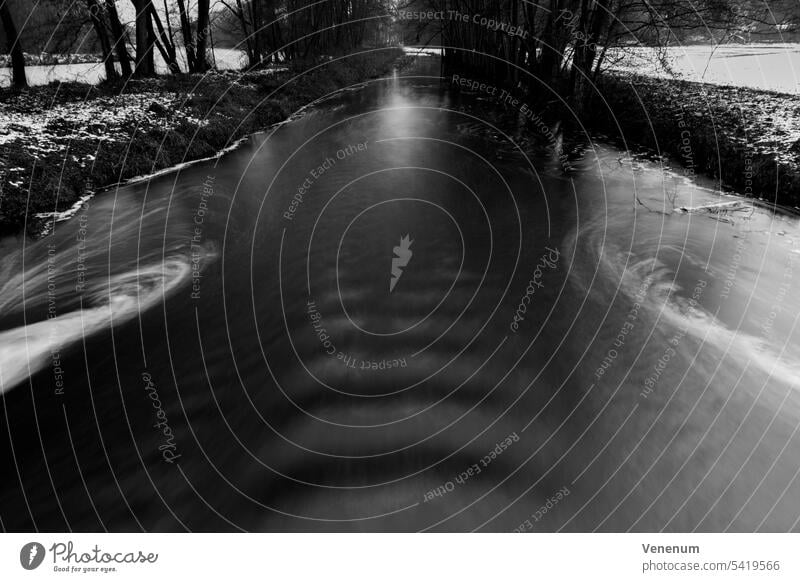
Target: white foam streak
{"points": [[736, 344], [28, 349]]}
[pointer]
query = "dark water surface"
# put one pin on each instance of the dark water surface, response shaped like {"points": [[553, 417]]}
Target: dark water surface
{"points": [[214, 349]]}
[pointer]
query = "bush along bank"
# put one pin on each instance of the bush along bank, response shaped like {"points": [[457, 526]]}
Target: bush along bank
{"points": [[745, 139], [61, 142]]}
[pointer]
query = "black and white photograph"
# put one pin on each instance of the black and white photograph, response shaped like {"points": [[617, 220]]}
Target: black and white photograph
{"points": [[400, 266]]}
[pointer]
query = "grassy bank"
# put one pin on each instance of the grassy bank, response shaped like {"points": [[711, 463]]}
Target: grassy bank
{"points": [[63, 141], [747, 140]]}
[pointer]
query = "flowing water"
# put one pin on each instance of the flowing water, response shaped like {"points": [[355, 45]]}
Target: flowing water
{"points": [[395, 313]]}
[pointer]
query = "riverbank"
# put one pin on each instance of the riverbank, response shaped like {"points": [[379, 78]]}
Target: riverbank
{"points": [[62, 142], [747, 140]]}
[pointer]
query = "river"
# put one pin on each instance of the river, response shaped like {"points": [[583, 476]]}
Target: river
{"points": [[394, 313]]}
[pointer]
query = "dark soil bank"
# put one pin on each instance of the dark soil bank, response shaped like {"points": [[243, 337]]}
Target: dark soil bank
{"points": [[748, 140], [66, 140]]}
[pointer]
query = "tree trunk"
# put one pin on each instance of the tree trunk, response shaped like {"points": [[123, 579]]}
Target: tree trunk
{"points": [[145, 66], [169, 24], [275, 41], [585, 55], [548, 61], [241, 16], [14, 47], [166, 47], [202, 35], [188, 39], [120, 42], [99, 23], [255, 18]]}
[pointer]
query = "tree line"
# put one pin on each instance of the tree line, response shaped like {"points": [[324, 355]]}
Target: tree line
{"points": [[562, 43], [565, 44], [128, 34]]}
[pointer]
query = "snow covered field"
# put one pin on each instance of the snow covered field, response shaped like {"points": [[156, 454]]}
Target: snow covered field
{"points": [[93, 73], [768, 67]]}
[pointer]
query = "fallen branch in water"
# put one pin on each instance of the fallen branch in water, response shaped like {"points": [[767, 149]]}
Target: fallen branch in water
{"points": [[722, 211]]}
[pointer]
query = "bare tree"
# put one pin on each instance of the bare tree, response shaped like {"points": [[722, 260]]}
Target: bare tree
{"points": [[97, 15], [195, 45], [564, 43], [186, 33], [166, 47], [258, 25], [238, 12], [145, 39], [120, 38]]}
